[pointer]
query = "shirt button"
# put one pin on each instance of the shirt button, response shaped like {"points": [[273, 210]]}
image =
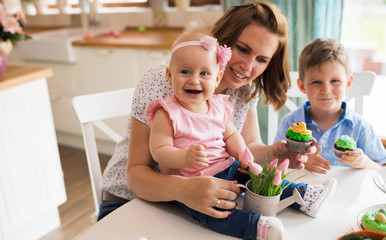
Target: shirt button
{"points": [[318, 130]]}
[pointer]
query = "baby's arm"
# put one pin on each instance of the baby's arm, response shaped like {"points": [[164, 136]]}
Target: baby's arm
{"points": [[358, 159], [235, 144], [162, 145]]}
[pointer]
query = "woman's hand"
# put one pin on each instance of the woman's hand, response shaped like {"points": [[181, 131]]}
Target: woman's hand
{"points": [[358, 159], [202, 194], [297, 160], [316, 163]]}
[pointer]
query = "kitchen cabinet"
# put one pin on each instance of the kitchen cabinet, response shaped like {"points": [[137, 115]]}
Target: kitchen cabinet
{"points": [[97, 69], [31, 177]]}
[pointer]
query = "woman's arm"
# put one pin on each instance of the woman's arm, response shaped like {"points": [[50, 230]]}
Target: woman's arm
{"points": [[198, 193], [251, 135]]}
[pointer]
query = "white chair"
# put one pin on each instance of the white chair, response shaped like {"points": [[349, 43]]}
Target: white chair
{"points": [[362, 86], [91, 110]]}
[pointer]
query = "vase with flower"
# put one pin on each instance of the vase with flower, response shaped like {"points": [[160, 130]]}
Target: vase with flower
{"points": [[263, 191], [11, 29]]}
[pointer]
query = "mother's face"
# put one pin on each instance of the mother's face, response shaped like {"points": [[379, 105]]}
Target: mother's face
{"points": [[251, 55]]}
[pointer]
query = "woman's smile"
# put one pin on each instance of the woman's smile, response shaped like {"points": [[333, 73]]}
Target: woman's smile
{"points": [[238, 76]]}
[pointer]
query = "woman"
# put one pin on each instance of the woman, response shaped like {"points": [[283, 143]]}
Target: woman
{"points": [[257, 33]]}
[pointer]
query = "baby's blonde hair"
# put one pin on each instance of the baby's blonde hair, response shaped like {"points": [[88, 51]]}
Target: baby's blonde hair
{"points": [[194, 30]]}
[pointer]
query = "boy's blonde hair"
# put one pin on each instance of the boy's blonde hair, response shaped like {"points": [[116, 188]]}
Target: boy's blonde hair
{"points": [[322, 50]]}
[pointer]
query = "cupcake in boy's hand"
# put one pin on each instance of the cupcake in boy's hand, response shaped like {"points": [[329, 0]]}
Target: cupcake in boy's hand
{"points": [[298, 137], [344, 145]]}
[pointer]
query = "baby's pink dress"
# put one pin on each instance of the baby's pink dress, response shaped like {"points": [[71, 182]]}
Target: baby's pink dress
{"points": [[190, 128]]}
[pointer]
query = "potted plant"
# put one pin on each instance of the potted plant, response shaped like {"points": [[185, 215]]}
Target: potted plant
{"points": [[263, 191], [11, 29]]}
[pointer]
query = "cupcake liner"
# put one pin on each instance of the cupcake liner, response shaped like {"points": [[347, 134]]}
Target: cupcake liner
{"points": [[296, 146], [339, 153]]}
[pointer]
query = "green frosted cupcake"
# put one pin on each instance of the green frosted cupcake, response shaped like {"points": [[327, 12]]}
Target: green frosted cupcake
{"points": [[374, 221], [298, 137], [344, 145]]}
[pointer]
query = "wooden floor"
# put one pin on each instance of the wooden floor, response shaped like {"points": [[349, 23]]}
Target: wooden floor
{"points": [[77, 214]]}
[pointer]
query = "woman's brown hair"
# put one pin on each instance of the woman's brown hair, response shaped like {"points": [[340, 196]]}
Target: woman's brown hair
{"points": [[274, 82]]}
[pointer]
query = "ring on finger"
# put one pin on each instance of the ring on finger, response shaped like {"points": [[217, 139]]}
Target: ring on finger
{"points": [[218, 203]]}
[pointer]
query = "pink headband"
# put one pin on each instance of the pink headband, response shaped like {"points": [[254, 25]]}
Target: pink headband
{"points": [[224, 53]]}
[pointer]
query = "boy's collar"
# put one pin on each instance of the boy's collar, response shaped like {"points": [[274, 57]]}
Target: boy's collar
{"points": [[307, 104], [344, 106], [346, 114]]}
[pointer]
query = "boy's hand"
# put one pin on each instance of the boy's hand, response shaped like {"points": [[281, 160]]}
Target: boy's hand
{"points": [[196, 155], [316, 163], [356, 159]]}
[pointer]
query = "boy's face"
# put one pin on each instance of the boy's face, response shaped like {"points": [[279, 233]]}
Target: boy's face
{"points": [[326, 86], [194, 75]]}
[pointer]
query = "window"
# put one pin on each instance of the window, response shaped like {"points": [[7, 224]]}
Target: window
{"points": [[129, 3], [364, 34], [364, 37]]}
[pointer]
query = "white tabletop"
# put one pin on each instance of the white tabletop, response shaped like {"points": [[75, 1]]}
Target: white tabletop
{"points": [[356, 191]]}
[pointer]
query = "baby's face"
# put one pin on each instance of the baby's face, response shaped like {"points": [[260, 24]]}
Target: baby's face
{"points": [[194, 74], [326, 86]]}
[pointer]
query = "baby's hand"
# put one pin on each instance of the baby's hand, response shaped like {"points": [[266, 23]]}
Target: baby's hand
{"points": [[356, 159], [243, 167], [196, 155]]}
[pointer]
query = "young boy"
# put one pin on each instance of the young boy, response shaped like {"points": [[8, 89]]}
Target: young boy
{"points": [[325, 77]]}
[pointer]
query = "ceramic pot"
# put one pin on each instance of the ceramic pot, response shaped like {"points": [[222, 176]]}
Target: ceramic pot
{"points": [[5, 49], [268, 206], [3, 63], [182, 5]]}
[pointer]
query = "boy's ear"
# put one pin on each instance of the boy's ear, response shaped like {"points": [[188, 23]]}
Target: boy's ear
{"points": [[301, 86], [219, 77], [168, 75], [350, 81]]}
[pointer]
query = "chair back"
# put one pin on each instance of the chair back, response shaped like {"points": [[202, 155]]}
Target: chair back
{"points": [[362, 86], [90, 111]]}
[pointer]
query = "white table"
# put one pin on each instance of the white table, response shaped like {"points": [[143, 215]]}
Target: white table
{"points": [[356, 191]]}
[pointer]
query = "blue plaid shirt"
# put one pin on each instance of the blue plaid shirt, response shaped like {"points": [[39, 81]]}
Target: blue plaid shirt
{"points": [[350, 123]]}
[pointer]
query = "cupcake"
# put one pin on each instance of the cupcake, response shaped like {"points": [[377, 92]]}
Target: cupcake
{"points": [[298, 137], [344, 145]]}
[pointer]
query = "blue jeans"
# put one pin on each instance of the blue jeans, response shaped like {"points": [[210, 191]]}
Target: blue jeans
{"points": [[107, 207], [240, 224]]}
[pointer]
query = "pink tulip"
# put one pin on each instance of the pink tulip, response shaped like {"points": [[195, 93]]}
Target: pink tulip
{"points": [[255, 168], [3, 13], [277, 180], [20, 16], [247, 156], [10, 24], [272, 164], [284, 166]]}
